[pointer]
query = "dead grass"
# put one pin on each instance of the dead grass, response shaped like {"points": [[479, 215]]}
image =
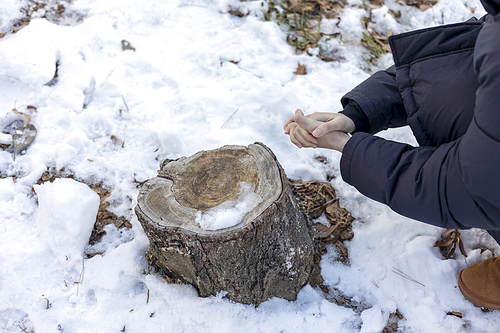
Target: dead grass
{"points": [[302, 18]]}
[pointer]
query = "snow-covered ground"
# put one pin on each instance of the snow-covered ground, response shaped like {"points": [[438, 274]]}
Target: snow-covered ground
{"points": [[199, 78]]}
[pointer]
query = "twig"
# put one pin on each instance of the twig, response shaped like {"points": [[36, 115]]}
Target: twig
{"points": [[147, 301], [228, 119], [126, 106], [23, 328], [375, 283], [80, 278], [406, 276]]}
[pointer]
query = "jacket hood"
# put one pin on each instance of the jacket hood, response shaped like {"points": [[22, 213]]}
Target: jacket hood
{"points": [[491, 6]]}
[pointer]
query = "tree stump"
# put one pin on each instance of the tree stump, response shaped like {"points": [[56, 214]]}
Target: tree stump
{"points": [[269, 253]]}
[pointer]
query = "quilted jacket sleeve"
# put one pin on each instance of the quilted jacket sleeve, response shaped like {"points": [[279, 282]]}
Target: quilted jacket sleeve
{"points": [[455, 185], [379, 99]]}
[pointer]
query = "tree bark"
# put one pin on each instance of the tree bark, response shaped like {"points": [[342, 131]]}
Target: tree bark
{"points": [[268, 254]]}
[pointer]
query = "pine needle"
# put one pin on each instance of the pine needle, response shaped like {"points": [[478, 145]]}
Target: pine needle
{"points": [[228, 119], [406, 276]]}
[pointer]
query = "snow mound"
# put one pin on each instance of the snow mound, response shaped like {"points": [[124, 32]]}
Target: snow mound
{"points": [[35, 63], [66, 215]]}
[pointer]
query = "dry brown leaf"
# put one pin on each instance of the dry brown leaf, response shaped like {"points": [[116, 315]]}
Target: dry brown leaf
{"points": [[117, 142], [236, 12], [444, 242], [293, 3], [450, 238], [395, 14], [27, 116], [127, 46], [314, 198], [364, 21], [301, 70], [447, 231], [321, 159], [424, 7], [23, 138], [455, 313], [105, 217], [461, 247], [326, 233]]}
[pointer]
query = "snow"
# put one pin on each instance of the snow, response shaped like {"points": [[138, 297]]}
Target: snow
{"points": [[66, 214], [231, 212], [199, 78]]}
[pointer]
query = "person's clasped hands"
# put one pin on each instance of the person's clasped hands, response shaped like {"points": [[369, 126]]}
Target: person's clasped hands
{"points": [[319, 130]]}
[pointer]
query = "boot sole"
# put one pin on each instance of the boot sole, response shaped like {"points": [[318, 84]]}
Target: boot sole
{"points": [[476, 299]]}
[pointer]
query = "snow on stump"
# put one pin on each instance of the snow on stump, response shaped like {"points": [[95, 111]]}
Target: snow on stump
{"points": [[226, 220]]}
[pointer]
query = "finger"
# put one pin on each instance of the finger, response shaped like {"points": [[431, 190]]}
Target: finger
{"points": [[339, 123], [294, 139], [307, 123], [303, 137], [292, 128], [287, 129], [298, 113], [288, 122]]}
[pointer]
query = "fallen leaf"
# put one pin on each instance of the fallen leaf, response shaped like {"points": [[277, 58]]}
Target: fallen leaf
{"points": [[451, 238], [455, 313], [236, 12], [364, 21], [27, 116], [127, 46], [395, 14], [117, 142], [326, 233], [424, 7], [461, 247], [301, 70], [24, 136]]}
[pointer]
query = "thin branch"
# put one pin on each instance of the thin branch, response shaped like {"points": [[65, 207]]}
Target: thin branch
{"points": [[406, 276], [80, 278], [228, 119], [126, 106]]}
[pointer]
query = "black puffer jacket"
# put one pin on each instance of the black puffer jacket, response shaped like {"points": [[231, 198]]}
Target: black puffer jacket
{"points": [[446, 86]]}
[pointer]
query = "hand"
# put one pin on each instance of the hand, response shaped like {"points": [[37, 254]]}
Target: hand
{"points": [[300, 127], [331, 122]]}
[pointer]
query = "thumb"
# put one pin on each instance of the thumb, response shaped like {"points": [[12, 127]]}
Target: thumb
{"points": [[307, 123], [298, 112], [321, 130]]}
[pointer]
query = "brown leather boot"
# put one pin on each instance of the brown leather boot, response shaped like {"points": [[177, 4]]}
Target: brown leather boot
{"points": [[480, 283]]}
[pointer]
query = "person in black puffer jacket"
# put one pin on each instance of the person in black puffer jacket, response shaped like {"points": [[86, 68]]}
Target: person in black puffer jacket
{"points": [[445, 85]]}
